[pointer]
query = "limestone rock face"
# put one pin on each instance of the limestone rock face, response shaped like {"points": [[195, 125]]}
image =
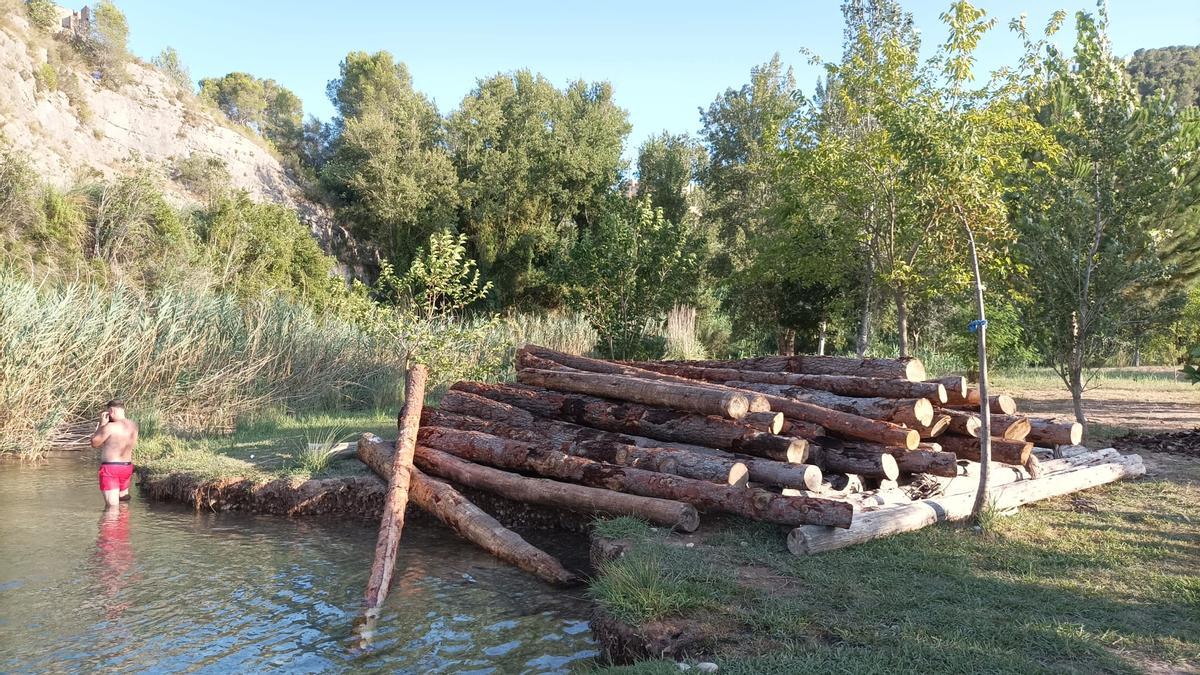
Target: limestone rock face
{"points": [[150, 123]]}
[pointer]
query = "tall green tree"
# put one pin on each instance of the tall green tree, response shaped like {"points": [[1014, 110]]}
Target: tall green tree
{"points": [[265, 106], [535, 163], [107, 44], [1173, 71], [668, 168], [388, 169], [1092, 221]]}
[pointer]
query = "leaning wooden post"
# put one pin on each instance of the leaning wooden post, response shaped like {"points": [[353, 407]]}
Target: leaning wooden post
{"points": [[979, 327], [396, 499]]}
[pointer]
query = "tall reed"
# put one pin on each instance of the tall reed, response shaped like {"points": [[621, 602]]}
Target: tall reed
{"points": [[680, 334]]}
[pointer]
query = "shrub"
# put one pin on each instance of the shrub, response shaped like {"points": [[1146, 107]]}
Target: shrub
{"points": [[42, 13], [46, 78], [171, 65]]}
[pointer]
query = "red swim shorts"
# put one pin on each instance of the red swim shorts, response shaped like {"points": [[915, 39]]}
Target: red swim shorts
{"points": [[115, 476]]}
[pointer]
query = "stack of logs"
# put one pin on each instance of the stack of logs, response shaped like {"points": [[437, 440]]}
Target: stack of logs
{"points": [[808, 442]]}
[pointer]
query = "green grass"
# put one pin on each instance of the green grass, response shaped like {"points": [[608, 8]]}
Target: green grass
{"points": [[271, 446], [1099, 584], [1157, 378]]}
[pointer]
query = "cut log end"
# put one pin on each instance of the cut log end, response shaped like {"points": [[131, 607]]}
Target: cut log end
{"points": [[739, 475], [923, 411], [813, 477], [891, 470], [797, 452], [912, 439]]}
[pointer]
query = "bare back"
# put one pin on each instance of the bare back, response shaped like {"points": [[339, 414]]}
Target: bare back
{"points": [[116, 440]]}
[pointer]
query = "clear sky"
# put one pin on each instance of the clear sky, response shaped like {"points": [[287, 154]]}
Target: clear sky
{"points": [[664, 59]]}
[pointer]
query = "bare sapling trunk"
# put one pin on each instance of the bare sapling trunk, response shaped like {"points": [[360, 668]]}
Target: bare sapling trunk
{"points": [[985, 431], [902, 322], [396, 499], [787, 341], [822, 333]]}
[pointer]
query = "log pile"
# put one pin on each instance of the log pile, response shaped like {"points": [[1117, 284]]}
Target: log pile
{"points": [[832, 448]]}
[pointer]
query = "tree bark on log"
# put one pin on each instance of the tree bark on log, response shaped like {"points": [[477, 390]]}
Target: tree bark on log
{"points": [[892, 369], [802, 429], [1004, 451], [962, 422], [467, 520], [809, 540], [846, 424], [750, 503], [852, 460], [913, 412], [939, 426], [955, 385], [764, 471], [632, 418], [1000, 404], [689, 398], [705, 467], [395, 502], [534, 356], [1010, 427], [844, 385], [558, 495], [929, 458], [1054, 432], [770, 422]]}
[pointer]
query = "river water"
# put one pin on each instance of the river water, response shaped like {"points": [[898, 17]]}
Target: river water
{"points": [[158, 587]]}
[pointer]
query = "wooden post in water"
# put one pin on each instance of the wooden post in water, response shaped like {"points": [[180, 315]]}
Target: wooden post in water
{"points": [[396, 499]]}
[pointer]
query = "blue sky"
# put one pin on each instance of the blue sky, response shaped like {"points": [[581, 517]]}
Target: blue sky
{"points": [[664, 59]]}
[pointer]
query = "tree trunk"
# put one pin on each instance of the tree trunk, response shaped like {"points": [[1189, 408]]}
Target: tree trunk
{"points": [[809, 540], [857, 461], [1011, 427], [631, 418], [844, 385], [939, 426], [746, 502], [863, 340], [706, 401], [553, 494], [1054, 432], [895, 369], [912, 412], [933, 462], [1008, 452], [822, 330], [712, 468], [962, 422], [787, 341], [447, 505], [1077, 395], [399, 478], [533, 356], [770, 422], [846, 424], [1000, 404], [955, 385], [902, 322]]}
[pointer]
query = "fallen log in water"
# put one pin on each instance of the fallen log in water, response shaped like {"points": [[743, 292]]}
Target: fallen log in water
{"points": [[1006, 451], [533, 356], [682, 397], [1054, 432], [707, 467], [632, 418], [399, 478], [762, 471], [845, 385], [1011, 427], [746, 502], [809, 540], [891, 369], [469, 521], [909, 411]]}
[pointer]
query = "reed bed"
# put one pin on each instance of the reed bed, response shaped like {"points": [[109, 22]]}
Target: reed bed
{"points": [[188, 360]]}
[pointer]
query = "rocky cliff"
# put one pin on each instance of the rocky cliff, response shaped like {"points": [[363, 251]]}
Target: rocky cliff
{"points": [[68, 125]]}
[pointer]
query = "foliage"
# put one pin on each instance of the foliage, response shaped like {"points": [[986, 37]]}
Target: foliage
{"points": [[1191, 369], [629, 269], [42, 13], [535, 165], [268, 108], [1090, 222], [172, 66], [203, 175], [680, 334], [46, 77], [106, 46], [1173, 71], [668, 166], [387, 169]]}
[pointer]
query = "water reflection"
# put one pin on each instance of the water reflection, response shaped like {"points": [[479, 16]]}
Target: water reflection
{"points": [[158, 588]]}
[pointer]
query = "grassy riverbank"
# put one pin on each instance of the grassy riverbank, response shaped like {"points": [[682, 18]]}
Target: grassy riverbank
{"points": [[1102, 581]]}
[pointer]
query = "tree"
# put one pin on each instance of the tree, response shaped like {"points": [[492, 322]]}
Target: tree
{"points": [[535, 163], [388, 169], [169, 62], [107, 43], [42, 13], [668, 166], [1173, 71], [241, 96], [629, 268], [1091, 221]]}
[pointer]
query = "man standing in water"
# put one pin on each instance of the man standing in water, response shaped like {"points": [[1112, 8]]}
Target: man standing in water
{"points": [[115, 436]]}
